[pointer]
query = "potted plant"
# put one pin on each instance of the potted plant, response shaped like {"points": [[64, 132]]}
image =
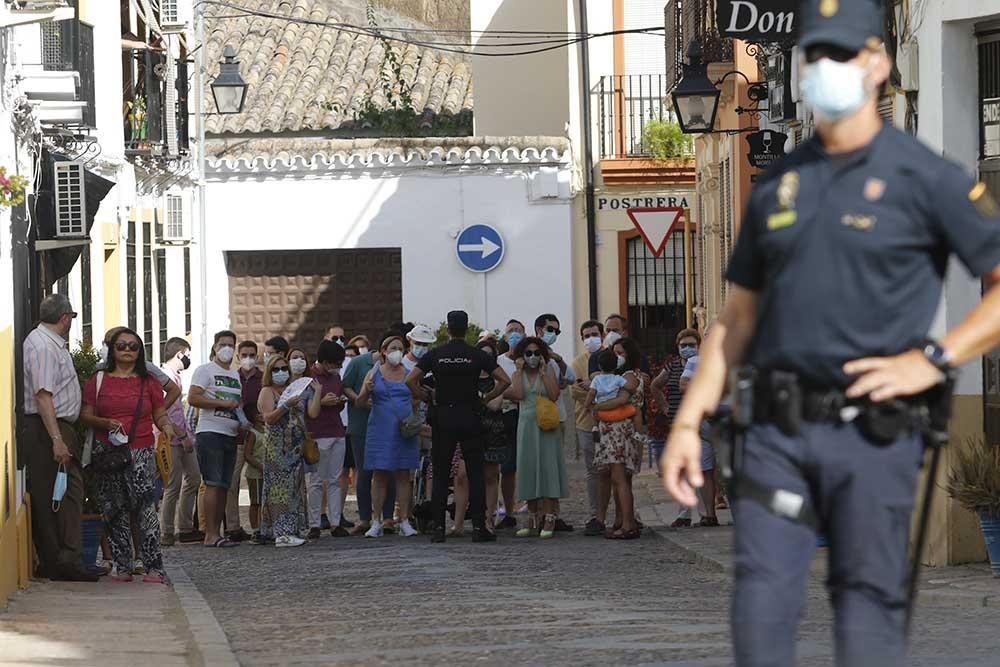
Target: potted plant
{"points": [[11, 189], [664, 139], [974, 482], [85, 360]]}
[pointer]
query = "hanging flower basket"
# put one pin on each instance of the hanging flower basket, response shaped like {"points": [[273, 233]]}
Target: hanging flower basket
{"points": [[11, 189]]}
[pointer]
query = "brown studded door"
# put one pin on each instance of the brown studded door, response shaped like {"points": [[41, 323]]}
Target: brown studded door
{"points": [[299, 294]]}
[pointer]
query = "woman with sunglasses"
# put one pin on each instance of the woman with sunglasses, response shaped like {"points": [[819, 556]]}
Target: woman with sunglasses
{"points": [[541, 466], [121, 403], [283, 503]]}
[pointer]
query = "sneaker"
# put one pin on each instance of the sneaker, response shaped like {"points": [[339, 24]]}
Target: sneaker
{"points": [[507, 522], [563, 527], [681, 523], [138, 567], [167, 540], [288, 541], [313, 533], [155, 577], [406, 530], [375, 530], [346, 523], [594, 528], [324, 522], [483, 535]]}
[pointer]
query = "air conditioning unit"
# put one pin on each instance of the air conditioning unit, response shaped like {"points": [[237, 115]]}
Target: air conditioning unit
{"points": [[70, 200], [177, 227]]}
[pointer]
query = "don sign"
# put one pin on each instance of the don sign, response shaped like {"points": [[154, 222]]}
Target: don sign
{"points": [[757, 20]]}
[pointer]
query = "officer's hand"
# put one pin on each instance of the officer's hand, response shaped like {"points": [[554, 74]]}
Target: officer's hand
{"points": [[886, 378], [681, 465]]}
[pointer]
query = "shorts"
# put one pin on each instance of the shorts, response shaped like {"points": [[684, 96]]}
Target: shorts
{"points": [[707, 449], [256, 487], [510, 419], [216, 458]]}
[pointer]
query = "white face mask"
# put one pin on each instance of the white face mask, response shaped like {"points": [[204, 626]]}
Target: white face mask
{"points": [[225, 354], [612, 338], [532, 362], [362, 350], [248, 363], [833, 90], [279, 377], [395, 358], [621, 361], [297, 365], [592, 343]]}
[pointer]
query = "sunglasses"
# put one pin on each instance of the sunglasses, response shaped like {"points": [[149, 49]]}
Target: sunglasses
{"points": [[532, 353], [279, 368], [131, 347], [338, 339], [552, 329]]}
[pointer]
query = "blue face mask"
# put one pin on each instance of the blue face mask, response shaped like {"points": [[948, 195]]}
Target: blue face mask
{"points": [[833, 90], [59, 488], [279, 377], [688, 352], [549, 337], [514, 338]]}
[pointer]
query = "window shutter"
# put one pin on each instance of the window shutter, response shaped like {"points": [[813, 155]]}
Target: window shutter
{"points": [[176, 229], [168, 12], [70, 202]]}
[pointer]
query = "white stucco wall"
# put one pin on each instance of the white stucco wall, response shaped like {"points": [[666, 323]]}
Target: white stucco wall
{"points": [[418, 213], [949, 123]]}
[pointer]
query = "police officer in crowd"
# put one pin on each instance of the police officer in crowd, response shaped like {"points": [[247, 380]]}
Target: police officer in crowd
{"points": [[836, 277], [457, 403]]}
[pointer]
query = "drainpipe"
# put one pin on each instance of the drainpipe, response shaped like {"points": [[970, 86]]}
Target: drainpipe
{"points": [[588, 164], [200, 72]]}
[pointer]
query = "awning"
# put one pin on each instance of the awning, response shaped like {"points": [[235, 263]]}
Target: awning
{"points": [[58, 262]]}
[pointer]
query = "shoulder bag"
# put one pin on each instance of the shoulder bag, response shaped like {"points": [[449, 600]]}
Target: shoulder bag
{"points": [[108, 458]]}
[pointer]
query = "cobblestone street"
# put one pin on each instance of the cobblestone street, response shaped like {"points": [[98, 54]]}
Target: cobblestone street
{"points": [[572, 600]]}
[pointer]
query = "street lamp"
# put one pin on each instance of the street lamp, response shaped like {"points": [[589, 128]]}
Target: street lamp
{"points": [[229, 89], [696, 97]]}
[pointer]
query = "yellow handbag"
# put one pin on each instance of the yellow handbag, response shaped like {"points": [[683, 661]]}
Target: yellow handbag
{"points": [[164, 457], [546, 414], [310, 450]]}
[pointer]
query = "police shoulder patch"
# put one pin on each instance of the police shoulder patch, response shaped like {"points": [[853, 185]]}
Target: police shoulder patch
{"points": [[984, 202]]}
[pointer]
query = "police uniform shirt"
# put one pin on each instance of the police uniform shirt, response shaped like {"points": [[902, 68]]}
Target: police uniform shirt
{"points": [[849, 254], [456, 367]]}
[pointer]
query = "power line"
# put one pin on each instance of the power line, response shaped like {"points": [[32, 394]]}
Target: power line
{"points": [[542, 45]]}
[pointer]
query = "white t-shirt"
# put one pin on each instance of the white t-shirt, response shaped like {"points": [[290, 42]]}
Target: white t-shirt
{"points": [[221, 384]]}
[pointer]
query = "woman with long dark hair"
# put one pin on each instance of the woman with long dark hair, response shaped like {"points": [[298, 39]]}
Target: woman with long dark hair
{"points": [[618, 453], [121, 403]]}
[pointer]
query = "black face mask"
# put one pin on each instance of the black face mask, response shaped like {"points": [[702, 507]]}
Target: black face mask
{"points": [[186, 362]]}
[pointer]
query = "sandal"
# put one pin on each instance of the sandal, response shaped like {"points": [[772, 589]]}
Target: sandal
{"points": [[360, 529], [548, 527], [456, 532], [222, 543], [622, 534]]}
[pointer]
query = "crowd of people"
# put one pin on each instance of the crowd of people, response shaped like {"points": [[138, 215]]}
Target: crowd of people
{"points": [[407, 423]]}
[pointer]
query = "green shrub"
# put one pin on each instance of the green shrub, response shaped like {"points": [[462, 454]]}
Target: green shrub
{"points": [[664, 139], [471, 336], [974, 480]]}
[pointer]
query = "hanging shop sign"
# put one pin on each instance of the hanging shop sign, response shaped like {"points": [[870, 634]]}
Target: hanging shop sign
{"points": [[766, 148], [991, 127], [757, 20]]}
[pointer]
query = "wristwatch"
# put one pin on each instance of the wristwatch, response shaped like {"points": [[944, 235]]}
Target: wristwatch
{"points": [[938, 356]]}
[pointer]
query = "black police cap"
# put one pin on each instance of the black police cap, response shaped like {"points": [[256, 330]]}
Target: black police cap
{"points": [[847, 24], [458, 320]]}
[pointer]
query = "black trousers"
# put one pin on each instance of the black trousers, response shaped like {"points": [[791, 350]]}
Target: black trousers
{"points": [[453, 425], [56, 534]]}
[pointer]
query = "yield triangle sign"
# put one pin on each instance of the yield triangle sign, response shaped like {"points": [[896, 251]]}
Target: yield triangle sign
{"points": [[655, 225]]}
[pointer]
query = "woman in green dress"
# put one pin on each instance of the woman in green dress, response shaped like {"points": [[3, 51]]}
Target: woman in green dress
{"points": [[541, 466]]}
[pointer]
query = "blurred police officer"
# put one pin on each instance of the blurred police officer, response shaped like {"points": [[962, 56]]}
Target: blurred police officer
{"points": [[836, 275], [456, 366]]}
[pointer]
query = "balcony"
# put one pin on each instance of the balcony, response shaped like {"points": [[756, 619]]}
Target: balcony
{"points": [[60, 84], [632, 111], [693, 20], [155, 111]]}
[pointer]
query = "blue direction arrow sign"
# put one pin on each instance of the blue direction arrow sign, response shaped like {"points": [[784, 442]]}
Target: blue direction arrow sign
{"points": [[480, 248]]}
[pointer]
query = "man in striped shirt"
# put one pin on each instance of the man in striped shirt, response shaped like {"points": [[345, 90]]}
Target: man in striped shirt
{"points": [[51, 406]]}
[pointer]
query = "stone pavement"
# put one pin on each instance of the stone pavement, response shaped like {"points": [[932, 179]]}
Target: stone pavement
{"points": [[969, 586]]}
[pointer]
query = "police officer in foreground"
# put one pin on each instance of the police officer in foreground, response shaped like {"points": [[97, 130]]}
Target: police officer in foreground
{"points": [[457, 409], [836, 277]]}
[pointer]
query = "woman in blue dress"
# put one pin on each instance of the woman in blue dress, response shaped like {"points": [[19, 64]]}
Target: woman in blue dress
{"points": [[387, 452]]}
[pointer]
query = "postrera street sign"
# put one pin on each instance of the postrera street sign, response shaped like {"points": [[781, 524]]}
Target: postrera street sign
{"points": [[480, 248], [655, 225], [757, 20]]}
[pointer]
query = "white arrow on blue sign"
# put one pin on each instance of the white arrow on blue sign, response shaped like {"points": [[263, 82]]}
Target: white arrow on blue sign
{"points": [[480, 248]]}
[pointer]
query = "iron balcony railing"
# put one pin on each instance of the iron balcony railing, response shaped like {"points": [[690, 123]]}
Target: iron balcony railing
{"points": [[149, 119], [68, 46], [627, 105], [692, 20]]}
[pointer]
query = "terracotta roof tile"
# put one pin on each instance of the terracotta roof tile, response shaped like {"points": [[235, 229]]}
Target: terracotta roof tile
{"points": [[305, 77]]}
